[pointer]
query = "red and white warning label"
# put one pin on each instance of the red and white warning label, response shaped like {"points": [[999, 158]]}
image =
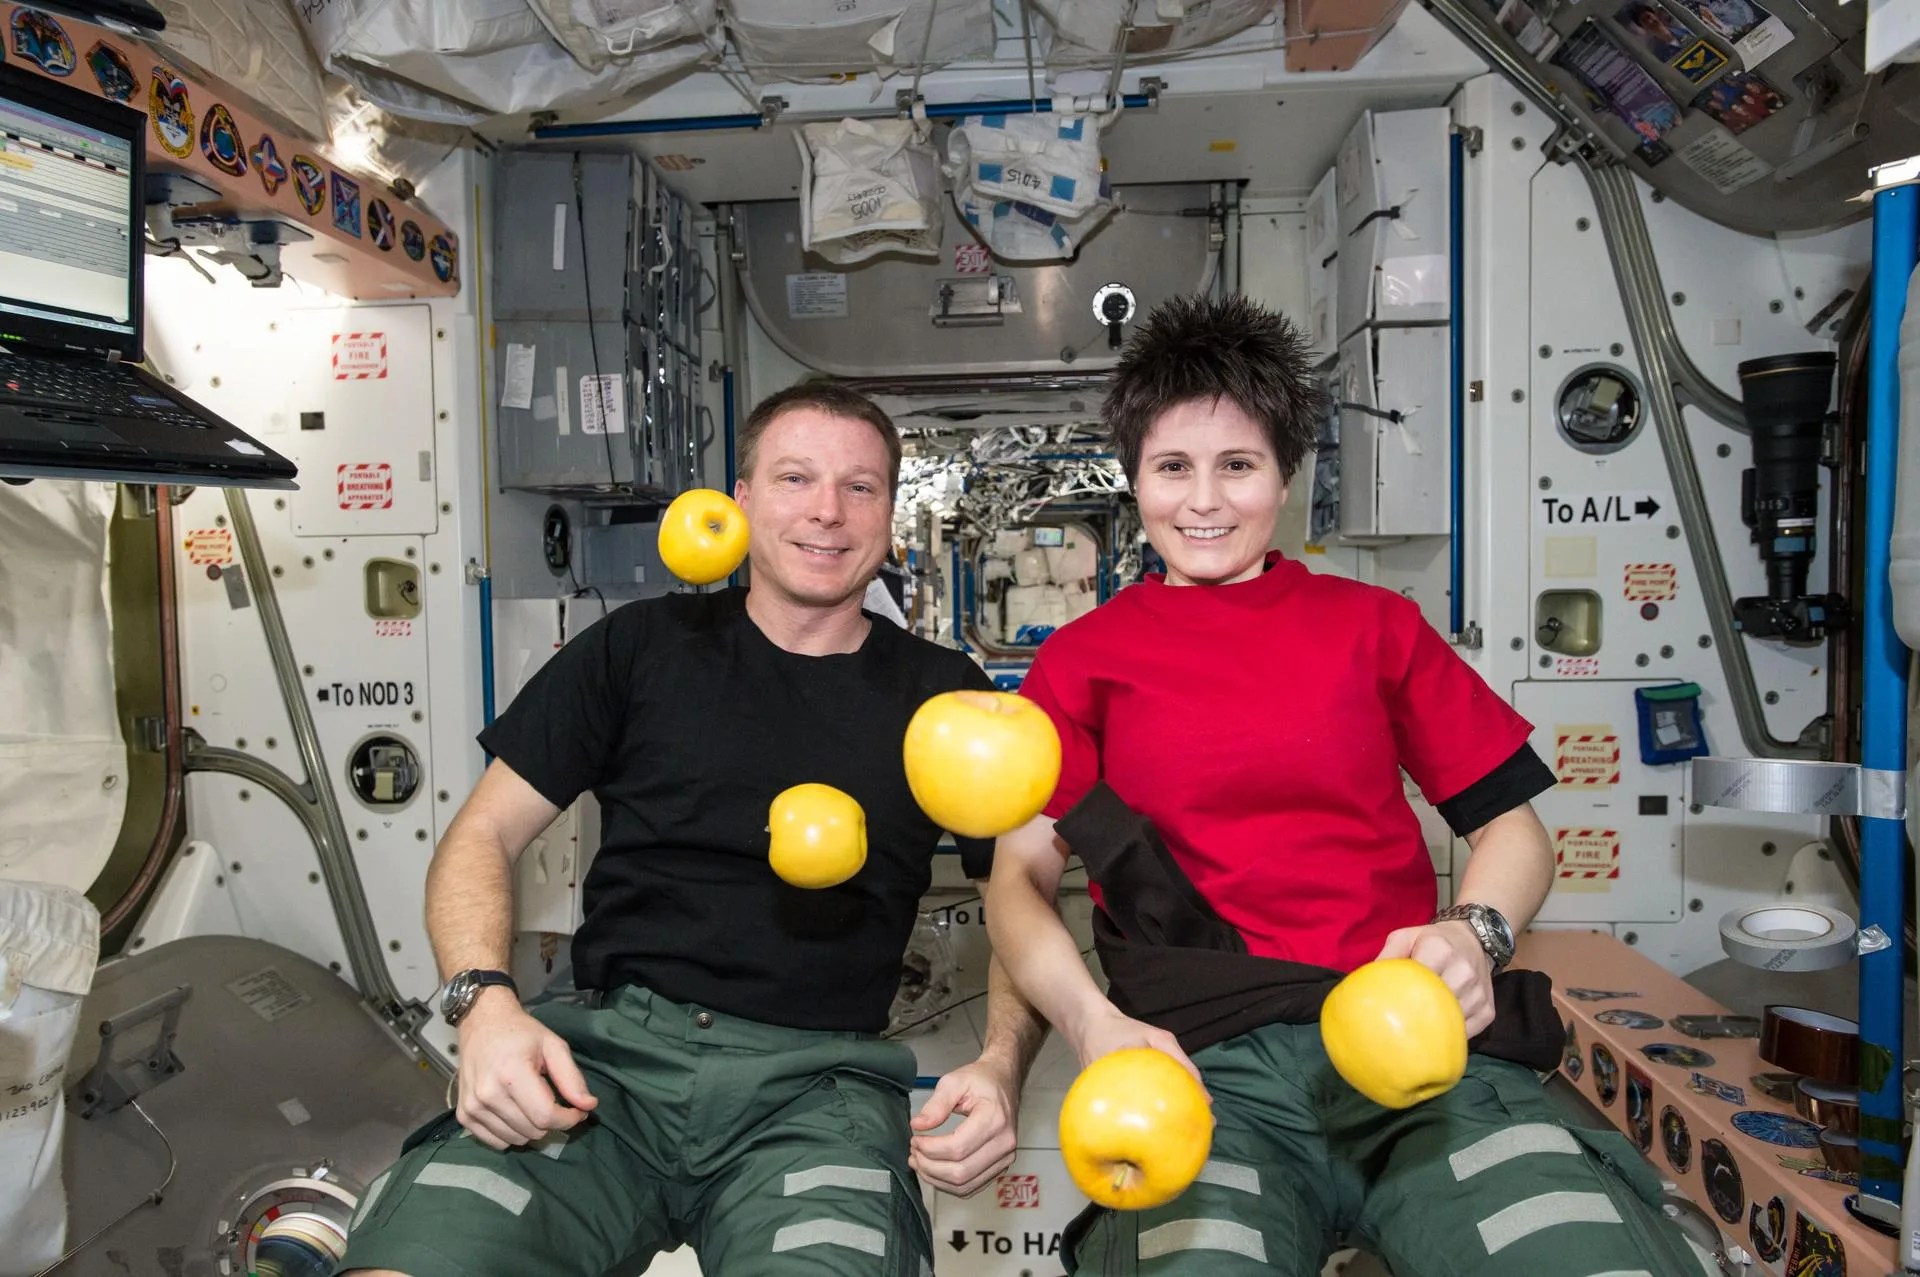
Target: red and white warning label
{"points": [[359, 356], [1586, 859], [1577, 667], [1651, 582], [971, 259], [1018, 1192], [366, 486], [393, 628], [210, 545], [1586, 757]]}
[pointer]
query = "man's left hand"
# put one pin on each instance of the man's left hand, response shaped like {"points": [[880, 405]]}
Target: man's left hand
{"points": [[965, 1158], [1453, 952]]}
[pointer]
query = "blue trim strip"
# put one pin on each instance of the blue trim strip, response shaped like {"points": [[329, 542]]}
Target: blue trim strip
{"points": [[486, 650], [1883, 737], [1457, 389]]}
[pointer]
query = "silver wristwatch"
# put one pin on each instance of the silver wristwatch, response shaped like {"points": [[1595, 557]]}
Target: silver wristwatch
{"points": [[465, 987], [1496, 936]]}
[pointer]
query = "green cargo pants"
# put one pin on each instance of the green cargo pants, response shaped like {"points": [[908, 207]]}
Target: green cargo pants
{"points": [[769, 1150], [1483, 1181]]}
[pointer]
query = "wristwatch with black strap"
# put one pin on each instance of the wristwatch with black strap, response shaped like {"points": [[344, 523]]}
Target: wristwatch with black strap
{"points": [[465, 987], [1493, 930]]}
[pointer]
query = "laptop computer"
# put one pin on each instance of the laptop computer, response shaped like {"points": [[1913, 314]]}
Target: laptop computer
{"points": [[73, 405]]}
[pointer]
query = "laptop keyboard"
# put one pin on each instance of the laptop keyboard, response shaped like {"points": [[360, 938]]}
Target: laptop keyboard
{"points": [[101, 389]]}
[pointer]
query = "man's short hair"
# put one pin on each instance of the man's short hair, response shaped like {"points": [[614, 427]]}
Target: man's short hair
{"points": [[1195, 349], [822, 396]]}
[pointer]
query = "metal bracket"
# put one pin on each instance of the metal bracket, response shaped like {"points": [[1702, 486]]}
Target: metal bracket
{"points": [[1799, 788], [1473, 137], [1894, 173], [476, 573], [1152, 86], [113, 1082], [771, 109], [1470, 638]]}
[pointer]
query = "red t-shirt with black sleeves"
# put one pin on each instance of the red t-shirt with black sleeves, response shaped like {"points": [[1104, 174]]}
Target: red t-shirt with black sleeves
{"points": [[1262, 727]]}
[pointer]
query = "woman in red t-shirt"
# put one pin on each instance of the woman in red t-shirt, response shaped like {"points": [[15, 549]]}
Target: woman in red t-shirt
{"points": [[1261, 718]]}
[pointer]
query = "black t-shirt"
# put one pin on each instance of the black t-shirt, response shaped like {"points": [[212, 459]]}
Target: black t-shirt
{"points": [[686, 721]]}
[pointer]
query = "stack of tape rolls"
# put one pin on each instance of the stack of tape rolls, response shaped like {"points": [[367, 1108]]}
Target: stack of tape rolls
{"points": [[1788, 937]]}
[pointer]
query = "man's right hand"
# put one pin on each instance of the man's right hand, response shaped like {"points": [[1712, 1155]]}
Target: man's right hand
{"points": [[511, 1067], [1106, 1031]]}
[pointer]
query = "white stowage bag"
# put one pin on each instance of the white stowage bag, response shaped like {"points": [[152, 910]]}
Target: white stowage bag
{"points": [[821, 41], [1032, 187], [872, 186], [49, 947], [463, 63], [257, 47], [599, 32], [63, 763]]}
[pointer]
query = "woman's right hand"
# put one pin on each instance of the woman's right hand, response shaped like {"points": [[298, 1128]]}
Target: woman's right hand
{"points": [[1107, 1031], [511, 1067]]}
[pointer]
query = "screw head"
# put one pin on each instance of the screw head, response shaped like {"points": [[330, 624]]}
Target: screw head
{"points": [[307, 670], [313, 877], [1773, 698], [1776, 306], [1666, 651], [1616, 350], [1767, 849], [1545, 483], [246, 795], [1545, 661], [1519, 144], [443, 795], [394, 945], [360, 835], [1517, 644], [1632, 937], [1582, 224], [1696, 905], [1673, 532], [1519, 108], [1724, 450], [1706, 640], [1546, 352], [1642, 660], [1695, 808], [279, 503], [419, 835], [446, 507], [1679, 299], [1519, 396]]}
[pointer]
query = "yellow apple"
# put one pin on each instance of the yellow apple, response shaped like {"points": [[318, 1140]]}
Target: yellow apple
{"points": [[703, 536], [1395, 1032], [817, 836], [1135, 1129], [981, 764]]}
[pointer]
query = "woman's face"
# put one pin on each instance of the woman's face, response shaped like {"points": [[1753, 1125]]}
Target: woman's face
{"points": [[1210, 490]]}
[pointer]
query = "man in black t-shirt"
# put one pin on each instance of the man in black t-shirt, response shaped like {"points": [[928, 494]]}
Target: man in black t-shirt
{"points": [[723, 1085]]}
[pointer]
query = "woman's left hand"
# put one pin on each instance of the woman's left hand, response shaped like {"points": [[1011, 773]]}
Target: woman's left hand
{"points": [[1453, 952]]}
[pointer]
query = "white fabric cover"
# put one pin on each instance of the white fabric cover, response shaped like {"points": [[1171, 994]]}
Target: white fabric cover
{"points": [[598, 32], [257, 47], [63, 765], [1032, 187], [464, 63], [49, 947], [872, 186], [1083, 27], [815, 41]]}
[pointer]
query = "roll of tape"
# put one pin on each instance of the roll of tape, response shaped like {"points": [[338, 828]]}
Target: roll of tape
{"points": [[1813, 1044], [1841, 1151], [1835, 1107], [1788, 937]]}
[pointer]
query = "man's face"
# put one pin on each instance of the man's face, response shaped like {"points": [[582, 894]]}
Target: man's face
{"points": [[819, 507]]}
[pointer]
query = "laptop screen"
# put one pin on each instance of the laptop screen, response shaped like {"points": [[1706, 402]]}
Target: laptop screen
{"points": [[67, 220]]}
